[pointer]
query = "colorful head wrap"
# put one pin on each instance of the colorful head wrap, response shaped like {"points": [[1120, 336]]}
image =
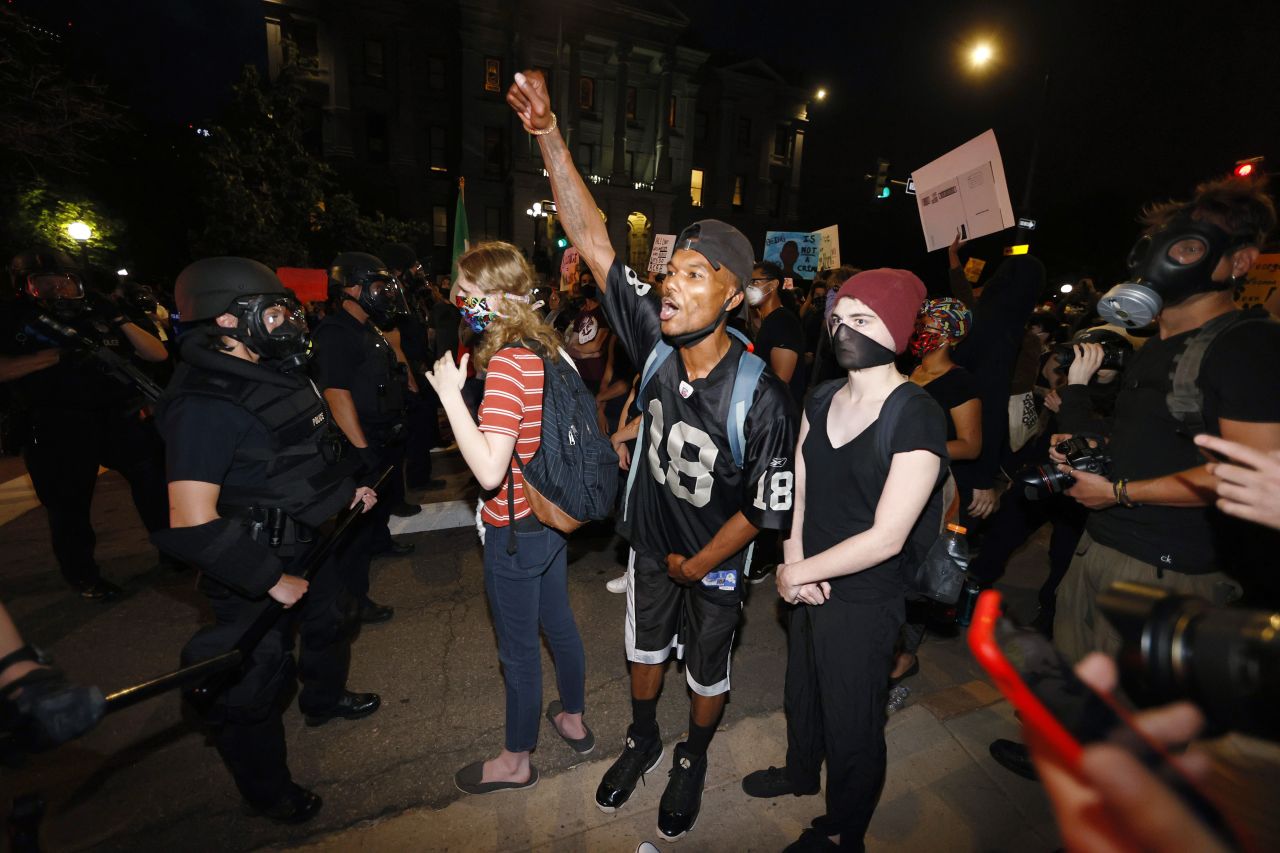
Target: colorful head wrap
{"points": [[951, 314]]}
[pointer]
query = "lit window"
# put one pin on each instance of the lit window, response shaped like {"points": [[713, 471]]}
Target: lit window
{"points": [[737, 191], [493, 75], [695, 187]]}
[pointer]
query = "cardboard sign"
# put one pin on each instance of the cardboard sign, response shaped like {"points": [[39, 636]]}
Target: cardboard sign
{"points": [[973, 269], [663, 244], [828, 247], [795, 251], [963, 192], [569, 268], [1262, 286], [308, 285]]}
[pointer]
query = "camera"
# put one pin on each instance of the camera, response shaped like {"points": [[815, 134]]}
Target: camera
{"points": [[1225, 660], [1116, 349], [1083, 452]]}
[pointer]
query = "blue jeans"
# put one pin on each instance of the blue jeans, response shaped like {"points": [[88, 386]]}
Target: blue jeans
{"points": [[528, 589]]}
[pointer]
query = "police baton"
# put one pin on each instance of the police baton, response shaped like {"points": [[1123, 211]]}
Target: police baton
{"points": [[217, 673]]}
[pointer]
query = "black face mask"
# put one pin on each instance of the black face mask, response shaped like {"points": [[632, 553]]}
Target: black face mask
{"points": [[688, 339], [285, 347], [855, 351]]}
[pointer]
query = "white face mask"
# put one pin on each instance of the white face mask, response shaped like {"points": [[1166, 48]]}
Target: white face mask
{"points": [[755, 295]]}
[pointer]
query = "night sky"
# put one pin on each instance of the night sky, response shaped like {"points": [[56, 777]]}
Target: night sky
{"points": [[1145, 99]]}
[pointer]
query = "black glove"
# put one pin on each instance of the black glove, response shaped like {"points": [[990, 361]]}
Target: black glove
{"points": [[42, 710], [106, 308]]}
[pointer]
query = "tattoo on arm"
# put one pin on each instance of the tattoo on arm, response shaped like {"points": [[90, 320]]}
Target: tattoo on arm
{"points": [[576, 208]]}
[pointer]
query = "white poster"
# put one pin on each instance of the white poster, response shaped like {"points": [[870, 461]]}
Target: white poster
{"points": [[963, 192], [662, 246], [828, 247]]}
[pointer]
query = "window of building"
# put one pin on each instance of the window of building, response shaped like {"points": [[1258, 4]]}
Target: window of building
{"points": [[782, 142], [695, 187], [744, 135], [494, 152], [440, 226], [375, 137], [700, 125], [306, 37], [493, 223], [439, 157], [632, 98], [671, 112], [493, 75], [374, 60], [586, 157], [435, 74], [587, 94], [737, 191]]}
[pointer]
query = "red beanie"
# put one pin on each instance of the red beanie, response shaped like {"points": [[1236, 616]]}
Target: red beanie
{"points": [[894, 295]]}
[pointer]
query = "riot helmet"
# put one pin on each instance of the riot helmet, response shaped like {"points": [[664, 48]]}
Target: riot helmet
{"points": [[269, 321], [380, 295], [49, 279]]}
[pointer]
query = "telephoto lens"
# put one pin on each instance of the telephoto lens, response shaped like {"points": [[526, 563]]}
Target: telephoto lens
{"points": [[1226, 660]]}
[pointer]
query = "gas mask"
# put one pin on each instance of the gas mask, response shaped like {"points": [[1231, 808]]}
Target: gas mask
{"points": [[855, 351], [383, 300], [61, 293], [274, 328], [1167, 266]]}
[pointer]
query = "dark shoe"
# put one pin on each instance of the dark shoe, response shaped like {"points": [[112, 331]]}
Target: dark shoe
{"points": [[100, 590], [774, 782], [372, 613], [298, 805], [681, 802], [914, 669], [761, 574], [811, 841], [639, 756], [583, 745], [352, 706], [395, 549], [468, 780], [404, 509], [1013, 756]]}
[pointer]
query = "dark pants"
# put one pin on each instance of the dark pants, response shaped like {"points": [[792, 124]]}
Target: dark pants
{"points": [[63, 458], [838, 659], [248, 731], [424, 434], [526, 590], [1014, 523]]}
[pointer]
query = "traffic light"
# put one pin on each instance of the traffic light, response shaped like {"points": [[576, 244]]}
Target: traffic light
{"points": [[562, 243], [882, 178], [1250, 167]]}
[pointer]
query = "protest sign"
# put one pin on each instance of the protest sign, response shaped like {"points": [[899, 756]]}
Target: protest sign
{"points": [[569, 269], [662, 246], [828, 247], [795, 251], [963, 192], [973, 269]]}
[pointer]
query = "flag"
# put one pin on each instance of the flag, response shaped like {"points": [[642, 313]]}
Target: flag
{"points": [[461, 236]]}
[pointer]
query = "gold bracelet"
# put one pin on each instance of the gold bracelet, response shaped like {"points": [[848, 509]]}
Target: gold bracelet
{"points": [[548, 130]]}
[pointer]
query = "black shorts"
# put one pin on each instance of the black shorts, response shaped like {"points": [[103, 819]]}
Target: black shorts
{"points": [[699, 623]]}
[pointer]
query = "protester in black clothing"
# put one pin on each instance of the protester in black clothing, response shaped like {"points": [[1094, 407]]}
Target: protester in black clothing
{"points": [[854, 511], [364, 385], [824, 367], [81, 417], [254, 471], [780, 338]]}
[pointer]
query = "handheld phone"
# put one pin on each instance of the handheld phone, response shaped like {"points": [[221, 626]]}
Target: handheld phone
{"points": [[1064, 712]]}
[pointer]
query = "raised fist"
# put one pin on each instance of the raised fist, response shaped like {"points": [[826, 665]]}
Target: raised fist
{"points": [[529, 97]]}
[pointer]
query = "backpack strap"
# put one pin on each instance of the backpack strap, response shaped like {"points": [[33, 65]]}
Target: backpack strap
{"points": [[1185, 399], [660, 353], [750, 369], [887, 422]]}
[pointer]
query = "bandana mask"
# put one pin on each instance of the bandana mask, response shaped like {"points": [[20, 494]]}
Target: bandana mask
{"points": [[479, 313], [926, 341]]}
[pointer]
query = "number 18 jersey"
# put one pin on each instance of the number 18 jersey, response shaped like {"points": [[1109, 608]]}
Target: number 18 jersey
{"points": [[687, 484]]}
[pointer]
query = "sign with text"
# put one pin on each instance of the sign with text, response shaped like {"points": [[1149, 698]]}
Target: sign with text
{"points": [[828, 247], [963, 192], [569, 268], [662, 246], [1262, 286], [973, 269], [795, 251]]}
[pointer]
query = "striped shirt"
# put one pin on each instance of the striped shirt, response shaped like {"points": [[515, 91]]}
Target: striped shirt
{"points": [[512, 406]]}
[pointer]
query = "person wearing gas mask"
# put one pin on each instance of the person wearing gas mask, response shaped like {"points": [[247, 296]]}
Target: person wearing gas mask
{"points": [[64, 388], [780, 338], [1209, 368], [255, 469], [365, 386], [707, 475]]}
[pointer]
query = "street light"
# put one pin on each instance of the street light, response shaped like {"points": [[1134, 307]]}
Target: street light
{"points": [[1066, 288], [822, 94], [981, 55], [79, 231]]}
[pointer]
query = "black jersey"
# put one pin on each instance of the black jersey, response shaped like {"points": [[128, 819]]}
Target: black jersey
{"points": [[686, 483]]}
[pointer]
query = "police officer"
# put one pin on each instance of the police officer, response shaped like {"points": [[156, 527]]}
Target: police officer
{"points": [[364, 384], [254, 470], [81, 417]]}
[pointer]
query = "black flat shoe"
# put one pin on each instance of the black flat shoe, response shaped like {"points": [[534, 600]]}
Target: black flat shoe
{"points": [[468, 781], [914, 669], [352, 706], [1014, 757], [298, 805], [582, 745], [100, 590], [371, 613]]}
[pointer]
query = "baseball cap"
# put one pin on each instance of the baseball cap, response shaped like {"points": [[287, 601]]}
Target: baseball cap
{"points": [[721, 244]]}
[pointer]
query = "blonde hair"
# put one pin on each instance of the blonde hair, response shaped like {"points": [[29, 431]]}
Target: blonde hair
{"points": [[499, 267]]}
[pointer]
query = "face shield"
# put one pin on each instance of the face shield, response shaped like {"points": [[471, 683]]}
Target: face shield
{"points": [[382, 297], [275, 328]]}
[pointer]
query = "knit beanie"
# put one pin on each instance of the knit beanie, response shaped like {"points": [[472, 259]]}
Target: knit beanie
{"points": [[894, 295]]}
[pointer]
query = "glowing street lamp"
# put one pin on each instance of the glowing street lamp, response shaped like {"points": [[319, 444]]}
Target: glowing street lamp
{"points": [[79, 231], [981, 54], [821, 94], [1066, 288]]}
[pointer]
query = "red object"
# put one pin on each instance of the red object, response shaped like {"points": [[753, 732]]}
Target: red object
{"points": [[309, 285], [894, 295], [1244, 170]]}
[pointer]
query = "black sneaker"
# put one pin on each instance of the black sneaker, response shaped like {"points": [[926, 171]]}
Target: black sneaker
{"points": [[761, 574], [100, 590], [678, 810], [296, 805], [639, 756], [774, 782], [1014, 757]]}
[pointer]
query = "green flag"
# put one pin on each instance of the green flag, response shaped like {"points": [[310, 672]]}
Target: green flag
{"points": [[461, 237]]}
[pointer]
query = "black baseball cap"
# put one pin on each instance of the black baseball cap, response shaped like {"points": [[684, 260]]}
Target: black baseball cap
{"points": [[721, 244]]}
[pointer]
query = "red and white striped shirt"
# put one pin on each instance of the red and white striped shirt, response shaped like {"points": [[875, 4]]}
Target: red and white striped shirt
{"points": [[512, 406]]}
